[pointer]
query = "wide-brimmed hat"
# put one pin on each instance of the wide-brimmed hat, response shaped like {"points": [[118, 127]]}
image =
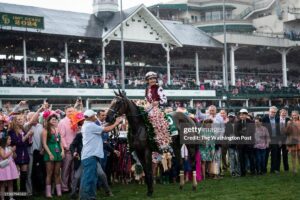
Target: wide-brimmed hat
{"points": [[48, 113], [76, 117], [151, 75], [244, 111]]}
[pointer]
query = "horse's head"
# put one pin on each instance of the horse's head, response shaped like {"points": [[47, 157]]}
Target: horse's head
{"points": [[118, 107]]}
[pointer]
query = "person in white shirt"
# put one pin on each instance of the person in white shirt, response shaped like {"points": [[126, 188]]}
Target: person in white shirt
{"points": [[218, 126], [92, 152]]}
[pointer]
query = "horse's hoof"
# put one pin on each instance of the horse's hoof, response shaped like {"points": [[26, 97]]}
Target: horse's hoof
{"points": [[181, 187], [194, 188]]}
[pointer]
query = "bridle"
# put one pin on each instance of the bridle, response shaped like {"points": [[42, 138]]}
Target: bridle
{"points": [[117, 114]]}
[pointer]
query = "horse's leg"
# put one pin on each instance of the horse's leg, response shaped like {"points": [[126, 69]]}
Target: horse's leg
{"points": [[179, 161], [146, 161], [192, 153]]}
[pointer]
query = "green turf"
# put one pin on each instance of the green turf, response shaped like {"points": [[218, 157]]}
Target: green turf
{"points": [[285, 186], [282, 186]]}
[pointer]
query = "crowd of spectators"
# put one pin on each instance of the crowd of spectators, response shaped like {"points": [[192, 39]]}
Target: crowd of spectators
{"points": [[57, 143], [90, 76]]}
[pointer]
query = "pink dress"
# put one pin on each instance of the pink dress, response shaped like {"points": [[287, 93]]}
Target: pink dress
{"points": [[9, 172]]}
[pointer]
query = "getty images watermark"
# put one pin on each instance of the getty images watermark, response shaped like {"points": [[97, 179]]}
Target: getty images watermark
{"points": [[236, 134], [215, 134]]}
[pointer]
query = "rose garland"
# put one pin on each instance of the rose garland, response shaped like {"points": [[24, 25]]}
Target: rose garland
{"points": [[157, 138], [161, 128]]}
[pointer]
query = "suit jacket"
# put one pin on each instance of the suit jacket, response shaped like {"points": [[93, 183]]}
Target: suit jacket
{"points": [[245, 130], [266, 122], [76, 146]]}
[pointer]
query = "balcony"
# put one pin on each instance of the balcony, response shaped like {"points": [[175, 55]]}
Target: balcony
{"points": [[230, 20], [295, 12], [232, 24]]}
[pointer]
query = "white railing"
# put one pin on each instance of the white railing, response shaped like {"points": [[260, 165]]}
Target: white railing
{"points": [[240, 21], [262, 4], [257, 34], [257, 5]]}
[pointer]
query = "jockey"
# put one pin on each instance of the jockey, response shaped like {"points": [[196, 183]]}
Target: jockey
{"points": [[155, 97]]}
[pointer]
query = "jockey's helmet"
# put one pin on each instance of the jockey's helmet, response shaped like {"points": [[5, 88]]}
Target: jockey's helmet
{"points": [[151, 75]]}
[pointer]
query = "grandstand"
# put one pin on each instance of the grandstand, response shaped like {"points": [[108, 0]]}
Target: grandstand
{"points": [[61, 54]]}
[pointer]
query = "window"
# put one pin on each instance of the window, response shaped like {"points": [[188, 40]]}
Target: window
{"points": [[208, 16], [216, 15], [228, 14], [202, 17]]}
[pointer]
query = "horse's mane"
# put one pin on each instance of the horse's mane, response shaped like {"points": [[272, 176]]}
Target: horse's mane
{"points": [[135, 105]]}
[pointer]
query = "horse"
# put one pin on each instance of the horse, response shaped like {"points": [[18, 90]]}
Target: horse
{"points": [[121, 105]]}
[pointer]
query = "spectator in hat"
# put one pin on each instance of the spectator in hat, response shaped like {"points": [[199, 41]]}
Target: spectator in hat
{"points": [[54, 152], [230, 131], [245, 130], [92, 152], [77, 120]]}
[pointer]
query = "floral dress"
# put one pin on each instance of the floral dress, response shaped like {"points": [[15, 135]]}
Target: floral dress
{"points": [[207, 150]]}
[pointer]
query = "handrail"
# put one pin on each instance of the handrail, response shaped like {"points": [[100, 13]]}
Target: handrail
{"points": [[262, 4], [256, 6], [245, 12]]}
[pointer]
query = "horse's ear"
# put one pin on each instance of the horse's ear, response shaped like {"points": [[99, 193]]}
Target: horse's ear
{"points": [[116, 93], [120, 93]]}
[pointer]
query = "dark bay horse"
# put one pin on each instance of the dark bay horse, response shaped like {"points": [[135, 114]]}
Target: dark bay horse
{"points": [[122, 105]]}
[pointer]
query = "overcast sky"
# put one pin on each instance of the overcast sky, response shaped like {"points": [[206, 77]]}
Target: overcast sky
{"points": [[76, 5]]}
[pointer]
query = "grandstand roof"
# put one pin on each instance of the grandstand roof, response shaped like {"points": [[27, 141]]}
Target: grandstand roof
{"points": [[66, 23], [191, 36]]}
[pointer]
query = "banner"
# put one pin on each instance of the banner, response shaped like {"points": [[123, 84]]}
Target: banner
{"points": [[24, 21]]}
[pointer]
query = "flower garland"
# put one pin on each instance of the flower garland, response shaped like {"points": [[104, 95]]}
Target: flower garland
{"points": [[161, 128], [158, 138]]}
